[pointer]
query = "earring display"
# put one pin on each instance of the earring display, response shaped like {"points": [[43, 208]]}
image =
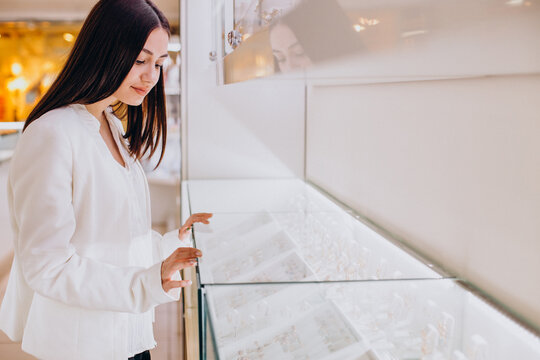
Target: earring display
{"points": [[413, 319], [257, 310], [289, 267], [320, 333], [333, 246], [222, 235], [254, 254], [286, 274]]}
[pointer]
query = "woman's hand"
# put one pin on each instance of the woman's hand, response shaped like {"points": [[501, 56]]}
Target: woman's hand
{"points": [[195, 218], [181, 258]]}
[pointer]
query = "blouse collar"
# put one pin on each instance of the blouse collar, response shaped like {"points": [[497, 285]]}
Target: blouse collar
{"points": [[93, 123], [89, 119]]}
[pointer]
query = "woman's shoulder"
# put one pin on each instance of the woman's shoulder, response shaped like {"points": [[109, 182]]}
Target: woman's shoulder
{"points": [[59, 121], [57, 129], [50, 136]]}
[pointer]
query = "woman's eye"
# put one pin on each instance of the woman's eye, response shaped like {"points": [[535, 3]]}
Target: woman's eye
{"points": [[142, 62]]}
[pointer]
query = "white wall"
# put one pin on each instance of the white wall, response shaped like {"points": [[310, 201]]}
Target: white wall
{"points": [[435, 137], [453, 167], [253, 129]]}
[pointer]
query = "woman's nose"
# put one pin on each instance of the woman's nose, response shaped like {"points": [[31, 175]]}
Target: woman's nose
{"points": [[150, 74]]}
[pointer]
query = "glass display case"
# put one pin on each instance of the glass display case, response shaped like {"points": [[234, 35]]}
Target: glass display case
{"points": [[385, 127], [289, 273], [243, 18], [375, 39], [361, 320], [285, 230]]}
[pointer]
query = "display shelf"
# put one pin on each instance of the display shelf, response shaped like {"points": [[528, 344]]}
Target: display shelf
{"points": [[288, 273], [398, 319], [257, 222], [332, 245]]}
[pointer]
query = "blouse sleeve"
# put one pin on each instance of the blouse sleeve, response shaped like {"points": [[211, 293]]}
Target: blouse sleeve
{"points": [[41, 185], [166, 245]]}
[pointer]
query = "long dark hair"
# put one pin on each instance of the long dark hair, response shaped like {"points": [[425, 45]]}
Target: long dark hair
{"points": [[110, 40]]}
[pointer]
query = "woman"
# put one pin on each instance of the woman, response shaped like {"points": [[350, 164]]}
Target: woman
{"points": [[84, 280]]}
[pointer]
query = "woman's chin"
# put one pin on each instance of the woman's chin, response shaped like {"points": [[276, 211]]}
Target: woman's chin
{"points": [[133, 102]]}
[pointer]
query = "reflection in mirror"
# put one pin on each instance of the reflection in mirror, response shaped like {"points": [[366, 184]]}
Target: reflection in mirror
{"points": [[251, 16], [394, 39], [288, 52], [314, 31]]}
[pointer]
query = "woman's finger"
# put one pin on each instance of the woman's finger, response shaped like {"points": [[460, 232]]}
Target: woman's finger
{"points": [[195, 218], [202, 217], [185, 253], [176, 284], [199, 217], [182, 233], [179, 265]]}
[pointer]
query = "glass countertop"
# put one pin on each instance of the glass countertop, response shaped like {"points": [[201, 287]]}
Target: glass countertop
{"points": [[254, 195], [369, 320], [299, 246], [287, 231]]}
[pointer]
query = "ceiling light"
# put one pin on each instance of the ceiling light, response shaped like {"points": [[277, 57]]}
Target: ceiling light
{"points": [[412, 33], [514, 2]]}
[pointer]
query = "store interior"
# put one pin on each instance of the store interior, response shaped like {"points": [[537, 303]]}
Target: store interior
{"points": [[372, 166], [35, 39], [426, 131]]}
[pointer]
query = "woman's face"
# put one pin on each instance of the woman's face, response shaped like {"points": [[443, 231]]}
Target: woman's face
{"points": [[287, 50], [144, 74]]}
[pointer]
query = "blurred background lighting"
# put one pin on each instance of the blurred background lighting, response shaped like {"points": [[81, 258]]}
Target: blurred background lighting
{"points": [[19, 83], [16, 69], [69, 37], [174, 47], [358, 27]]}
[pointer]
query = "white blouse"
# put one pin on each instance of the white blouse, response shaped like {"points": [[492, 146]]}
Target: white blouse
{"points": [[85, 277]]}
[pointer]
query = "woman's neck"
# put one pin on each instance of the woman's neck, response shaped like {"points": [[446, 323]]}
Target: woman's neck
{"points": [[99, 107]]}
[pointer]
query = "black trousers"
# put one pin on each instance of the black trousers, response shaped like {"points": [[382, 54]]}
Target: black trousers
{"points": [[142, 356]]}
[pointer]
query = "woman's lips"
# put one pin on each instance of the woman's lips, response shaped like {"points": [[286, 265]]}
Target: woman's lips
{"points": [[140, 91]]}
